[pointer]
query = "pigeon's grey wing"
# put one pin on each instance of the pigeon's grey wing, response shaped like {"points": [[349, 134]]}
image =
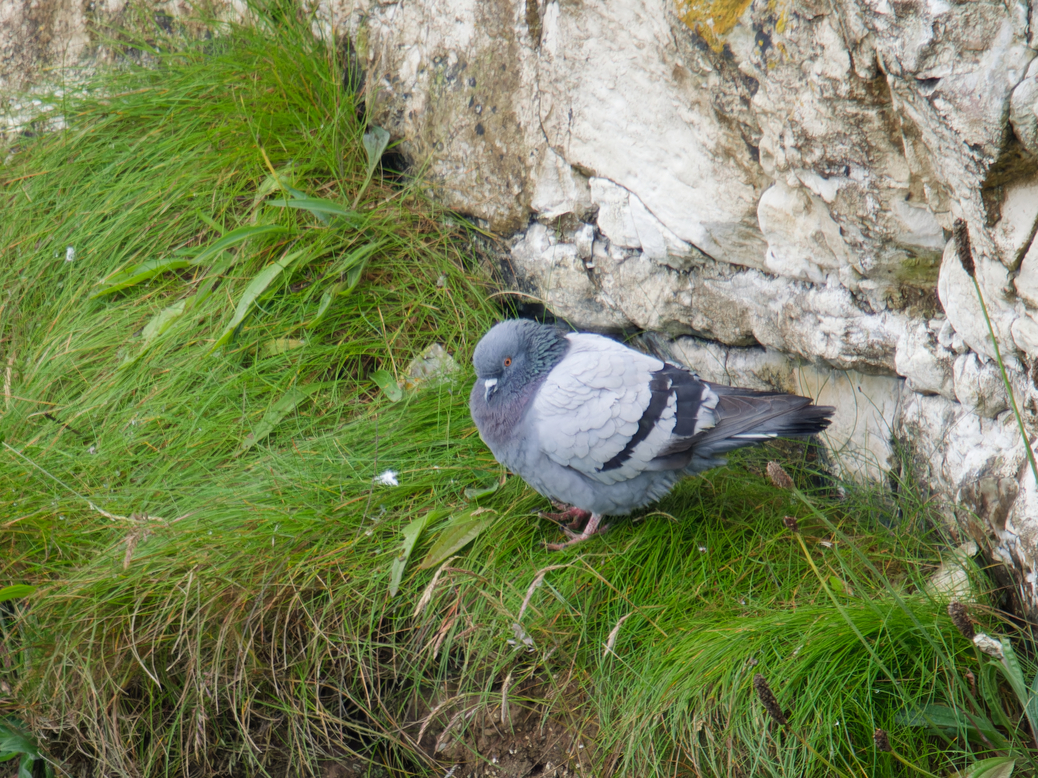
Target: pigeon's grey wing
{"points": [[612, 413], [743, 417]]}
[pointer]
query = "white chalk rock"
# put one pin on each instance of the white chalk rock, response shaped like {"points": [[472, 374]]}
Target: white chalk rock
{"points": [[860, 433], [624, 219], [620, 94], [754, 368], [962, 447], [584, 241], [558, 274], [1025, 335], [1026, 281], [962, 306], [949, 339], [559, 189], [1023, 109], [926, 364], [979, 386], [1014, 232], [803, 240]]}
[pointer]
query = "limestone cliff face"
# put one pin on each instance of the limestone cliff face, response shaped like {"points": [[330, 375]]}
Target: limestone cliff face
{"points": [[772, 183]]}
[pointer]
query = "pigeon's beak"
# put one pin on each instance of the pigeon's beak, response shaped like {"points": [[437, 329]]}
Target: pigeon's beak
{"points": [[490, 384]]}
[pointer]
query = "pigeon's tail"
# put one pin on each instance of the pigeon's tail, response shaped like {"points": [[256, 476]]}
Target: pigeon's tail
{"points": [[745, 417]]}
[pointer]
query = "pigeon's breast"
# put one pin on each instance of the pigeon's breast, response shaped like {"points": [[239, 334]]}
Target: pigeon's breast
{"points": [[502, 423]]}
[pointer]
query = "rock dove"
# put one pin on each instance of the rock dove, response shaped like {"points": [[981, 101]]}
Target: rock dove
{"points": [[591, 423]]}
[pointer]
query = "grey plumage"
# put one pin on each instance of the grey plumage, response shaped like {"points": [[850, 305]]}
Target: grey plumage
{"points": [[590, 422]]}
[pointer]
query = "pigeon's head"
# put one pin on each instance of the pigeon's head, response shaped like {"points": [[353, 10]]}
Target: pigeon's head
{"points": [[515, 353]]}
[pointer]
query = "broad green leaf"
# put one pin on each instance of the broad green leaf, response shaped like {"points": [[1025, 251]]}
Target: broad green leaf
{"points": [[995, 767], [296, 193], [353, 277], [316, 205], [135, 274], [326, 301], [17, 590], [256, 287], [940, 716], [281, 346], [990, 675], [1015, 673], [462, 530], [15, 741], [388, 385], [234, 237], [478, 492], [278, 411], [375, 141], [839, 585], [356, 262], [212, 279], [1031, 709], [411, 533], [162, 321], [947, 719], [274, 182], [210, 222], [167, 317], [359, 258]]}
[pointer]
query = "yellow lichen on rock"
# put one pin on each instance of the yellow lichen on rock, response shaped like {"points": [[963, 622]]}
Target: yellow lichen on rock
{"points": [[711, 19]]}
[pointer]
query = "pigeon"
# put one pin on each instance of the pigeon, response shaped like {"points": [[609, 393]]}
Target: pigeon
{"points": [[590, 423]]}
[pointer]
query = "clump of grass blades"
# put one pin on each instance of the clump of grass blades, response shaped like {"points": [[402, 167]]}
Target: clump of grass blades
{"points": [[212, 602]]}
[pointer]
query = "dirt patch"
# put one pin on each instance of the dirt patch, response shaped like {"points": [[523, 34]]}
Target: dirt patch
{"points": [[536, 731], [528, 746]]}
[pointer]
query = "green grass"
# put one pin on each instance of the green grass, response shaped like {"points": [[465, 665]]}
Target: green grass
{"points": [[213, 555]]}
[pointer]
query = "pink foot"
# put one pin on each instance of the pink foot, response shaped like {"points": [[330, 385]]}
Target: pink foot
{"points": [[567, 516], [592, 528]]}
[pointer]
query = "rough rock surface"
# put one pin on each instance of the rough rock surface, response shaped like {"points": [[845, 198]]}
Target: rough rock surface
{"points": [[54, 44], [774, 183]]}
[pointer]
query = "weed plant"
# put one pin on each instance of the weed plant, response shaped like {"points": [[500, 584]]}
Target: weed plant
{"points": [[199, 286]]}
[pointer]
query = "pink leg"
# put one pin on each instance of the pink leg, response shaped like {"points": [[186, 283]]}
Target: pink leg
{"points": [[592, 528], [567, 516]]}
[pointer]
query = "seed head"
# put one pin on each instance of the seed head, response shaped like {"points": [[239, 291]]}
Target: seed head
{"points": [[965, 250], [960, 617], [778, 476], [767, 698], [791, 523]]}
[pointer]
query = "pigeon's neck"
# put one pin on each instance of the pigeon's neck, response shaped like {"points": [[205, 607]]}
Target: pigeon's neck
{"points": [[498, 423], [547, 348]]}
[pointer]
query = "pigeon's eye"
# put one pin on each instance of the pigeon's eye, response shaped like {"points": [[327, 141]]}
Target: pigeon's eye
{"points": [[508, 361]]}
